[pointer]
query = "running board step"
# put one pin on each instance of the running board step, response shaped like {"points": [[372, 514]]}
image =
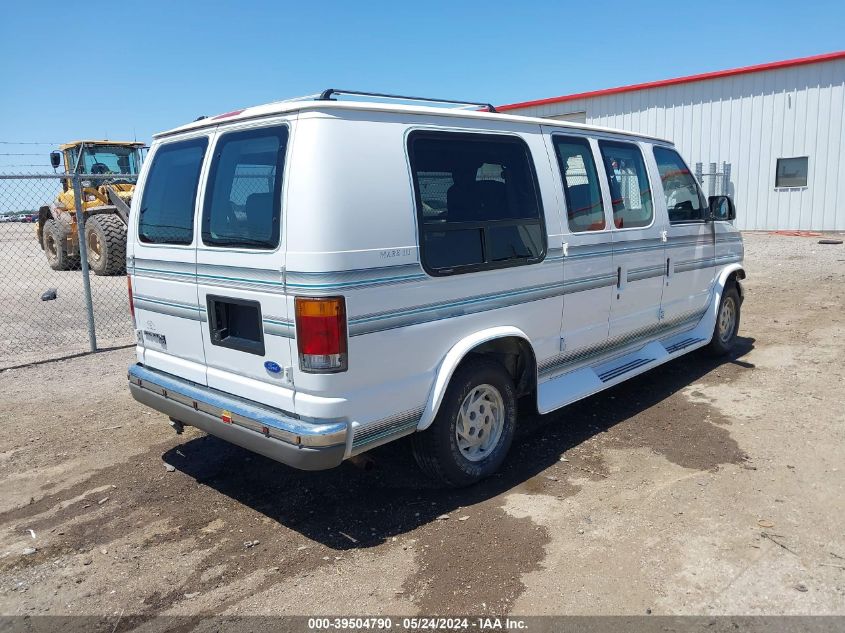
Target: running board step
{"points": [[615, 372], [679, 345], [586, 380]]}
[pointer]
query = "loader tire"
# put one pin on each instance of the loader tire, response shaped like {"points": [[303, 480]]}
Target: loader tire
{"points": [[105, 241], [54, 240]]}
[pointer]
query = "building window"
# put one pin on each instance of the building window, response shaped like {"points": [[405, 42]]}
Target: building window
{"points": [[791, 172], [477, 202]]}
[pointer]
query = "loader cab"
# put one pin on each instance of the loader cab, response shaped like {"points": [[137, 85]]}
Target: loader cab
{"points": [[103, 157], [98, 158]]}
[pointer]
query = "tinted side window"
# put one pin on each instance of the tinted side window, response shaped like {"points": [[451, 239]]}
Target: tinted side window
{"points": [[166, 215], [244, 196], [629, 188], [584, 210], [684, 199], [477, 201]]}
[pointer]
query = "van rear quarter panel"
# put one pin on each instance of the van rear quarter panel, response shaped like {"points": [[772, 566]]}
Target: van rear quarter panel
{"points": [[351, 228]]}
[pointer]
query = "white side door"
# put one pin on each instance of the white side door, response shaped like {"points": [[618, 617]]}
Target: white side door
{"points": [[638, 243], [246, 332], [589, 277], [690, 249], [163, 261]]}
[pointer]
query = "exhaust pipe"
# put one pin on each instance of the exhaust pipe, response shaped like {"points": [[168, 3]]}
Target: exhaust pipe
{"points": [[364, 462], [177, 426]]}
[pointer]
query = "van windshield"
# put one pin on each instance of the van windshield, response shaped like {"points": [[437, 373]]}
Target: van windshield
{"points": [[244, 194]]}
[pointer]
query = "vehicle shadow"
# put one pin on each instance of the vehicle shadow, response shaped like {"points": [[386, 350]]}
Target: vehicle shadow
{"points": [[350, 506]]}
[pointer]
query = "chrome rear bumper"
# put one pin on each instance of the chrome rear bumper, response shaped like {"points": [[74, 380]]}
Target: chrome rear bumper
{"points": [[270, 432]]}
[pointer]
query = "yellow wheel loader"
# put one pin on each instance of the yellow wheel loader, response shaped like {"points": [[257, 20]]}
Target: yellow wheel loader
{"points": [[106, 197]]}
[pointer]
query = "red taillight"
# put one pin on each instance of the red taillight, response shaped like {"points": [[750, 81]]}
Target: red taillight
{"points": [[321, 334], [131, 300]]}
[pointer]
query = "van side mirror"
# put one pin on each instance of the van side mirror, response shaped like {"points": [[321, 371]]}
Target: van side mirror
{"points": [[721, 208], [55, 159]]}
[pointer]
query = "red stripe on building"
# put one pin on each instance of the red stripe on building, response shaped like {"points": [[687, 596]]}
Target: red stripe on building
{"points": [[801, 61]]}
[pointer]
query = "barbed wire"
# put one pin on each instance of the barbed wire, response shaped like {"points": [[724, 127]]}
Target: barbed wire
{"points": [[26, 143]]}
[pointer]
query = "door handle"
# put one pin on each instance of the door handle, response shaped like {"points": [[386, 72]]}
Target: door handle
{"points": [[619, 278]]}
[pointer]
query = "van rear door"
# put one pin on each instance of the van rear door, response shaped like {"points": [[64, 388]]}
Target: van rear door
{"points": [[247, 334], [162, 264]]}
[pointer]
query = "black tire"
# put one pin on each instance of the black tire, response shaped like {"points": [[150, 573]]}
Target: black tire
{"points": [[724, 339], [105, 240], [436, 449], [54, 240]]}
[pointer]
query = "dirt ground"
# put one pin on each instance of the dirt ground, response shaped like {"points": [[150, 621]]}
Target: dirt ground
{"points": [[703, 487]]}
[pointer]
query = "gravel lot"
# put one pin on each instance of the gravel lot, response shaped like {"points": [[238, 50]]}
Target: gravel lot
{"points": [[34, 330], [702, 487]]}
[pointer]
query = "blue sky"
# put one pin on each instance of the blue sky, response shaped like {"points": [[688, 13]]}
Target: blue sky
{"points": [[127, 69]]}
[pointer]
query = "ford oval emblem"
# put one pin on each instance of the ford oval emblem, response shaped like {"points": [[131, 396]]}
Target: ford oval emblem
{"points": [[272, 367]]}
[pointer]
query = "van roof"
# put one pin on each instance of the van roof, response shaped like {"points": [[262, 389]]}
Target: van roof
{"points": [[297, 105]]}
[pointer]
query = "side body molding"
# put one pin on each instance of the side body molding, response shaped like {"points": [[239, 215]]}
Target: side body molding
{"points": [[451, 361]]}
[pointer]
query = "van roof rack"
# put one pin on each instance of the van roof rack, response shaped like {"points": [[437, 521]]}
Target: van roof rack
{"points": [[327, 95]]}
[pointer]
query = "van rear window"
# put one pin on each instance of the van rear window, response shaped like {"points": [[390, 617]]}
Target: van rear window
{"points": [[166, 214], [244, 196]]}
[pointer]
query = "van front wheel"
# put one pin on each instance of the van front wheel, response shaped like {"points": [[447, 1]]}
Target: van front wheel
{"points": [[473, 428], [727, 323]]}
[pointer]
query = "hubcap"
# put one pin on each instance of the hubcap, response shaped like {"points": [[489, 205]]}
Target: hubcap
{"points": [[94, 249], [51, 246], [727, 320], [481, 420]]}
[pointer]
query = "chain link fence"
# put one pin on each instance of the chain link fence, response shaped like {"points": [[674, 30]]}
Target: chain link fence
{"points": [[63, 287], [715, 181]]}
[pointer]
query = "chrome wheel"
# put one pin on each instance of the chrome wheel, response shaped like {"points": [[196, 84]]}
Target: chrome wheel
{"points": [[50, 245], [481, 419], [727, 319], [95, 247]]}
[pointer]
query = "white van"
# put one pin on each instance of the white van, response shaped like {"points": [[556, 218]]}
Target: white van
{"points": [[314, 278]]}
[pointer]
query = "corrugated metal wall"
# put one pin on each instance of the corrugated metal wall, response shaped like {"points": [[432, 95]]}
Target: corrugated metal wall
{"points": [[750, 121]]}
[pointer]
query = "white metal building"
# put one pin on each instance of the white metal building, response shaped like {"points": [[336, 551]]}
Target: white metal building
{"points": [[779, 126]]}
